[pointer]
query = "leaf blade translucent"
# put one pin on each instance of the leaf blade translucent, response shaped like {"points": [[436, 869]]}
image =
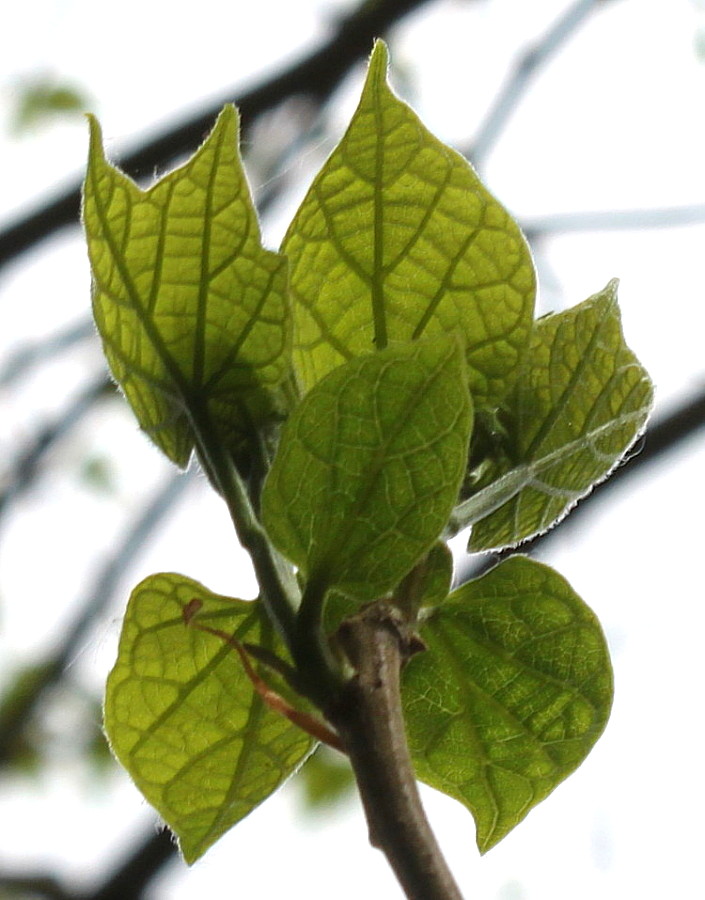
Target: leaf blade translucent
{"points": [[368, 467], [582, 402], [396, 238], [191, 309], [511, 694], [183, 718]]}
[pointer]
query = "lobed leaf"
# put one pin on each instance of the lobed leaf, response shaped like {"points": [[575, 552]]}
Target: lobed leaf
{"points": [[582, 401], [511, 694], [369, 466], [191, 309], [183, 718], [398, 238]]}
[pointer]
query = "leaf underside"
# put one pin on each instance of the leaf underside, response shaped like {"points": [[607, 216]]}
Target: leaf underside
{"points": [[183, 718], [582, 401], [511, 694], [398, 238], [191, 309]]}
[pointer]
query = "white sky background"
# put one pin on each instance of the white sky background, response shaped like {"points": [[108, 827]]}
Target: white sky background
{"points": [[615, 122]]}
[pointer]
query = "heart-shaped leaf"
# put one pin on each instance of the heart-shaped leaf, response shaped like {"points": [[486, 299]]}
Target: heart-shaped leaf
{"points": [[183, 717], [369, 466], [397, 237], [511, 694]]}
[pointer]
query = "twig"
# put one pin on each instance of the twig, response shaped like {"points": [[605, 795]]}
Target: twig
{"points": [[97, 597], [130, 880], [519, 79], [34, 886], [614, 220], [368, 716], [315, 76], [27, 466], [24, 359]]}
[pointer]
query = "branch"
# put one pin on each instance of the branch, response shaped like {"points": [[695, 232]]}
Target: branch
{"points": [[97, 597], [614, 220], [368, 717], [524, 72], [315, 76], [26, 358], [34, 886], [131, 878], [27, 466], [128, 882]]}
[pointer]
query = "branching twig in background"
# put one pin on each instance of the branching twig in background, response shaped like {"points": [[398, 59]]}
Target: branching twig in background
{"points": [[26, 358], [519, 79], [33, 886], [315, 76], [132, 875], [128, 881], [97, 598], [27, 467], [613, 220]]}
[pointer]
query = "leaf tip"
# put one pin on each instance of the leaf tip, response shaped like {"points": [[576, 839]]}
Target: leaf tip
{"points": [[95, 133], [227, 125], [378, 68]]}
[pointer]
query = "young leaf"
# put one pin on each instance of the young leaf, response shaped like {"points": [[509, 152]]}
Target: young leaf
{"points": [[184, 719], [396, 238], [192, 311], [427, 584], [511, 694], [369, 466], [582, 401]]}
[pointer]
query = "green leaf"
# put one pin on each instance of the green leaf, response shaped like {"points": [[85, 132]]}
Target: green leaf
{"points": [[437, 576], [192, 311], [513, 691], [369, 466], [427, 584], [183, 718], [396, 238], [324, 782], [582, 401]]}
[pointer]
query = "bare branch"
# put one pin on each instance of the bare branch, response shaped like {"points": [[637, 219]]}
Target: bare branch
{"points": [[27, 466], [34, 886], [368, 717], [315, 76], [132, 876], [26, 358], [524, 72], [614, 220], [97, 598]]}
